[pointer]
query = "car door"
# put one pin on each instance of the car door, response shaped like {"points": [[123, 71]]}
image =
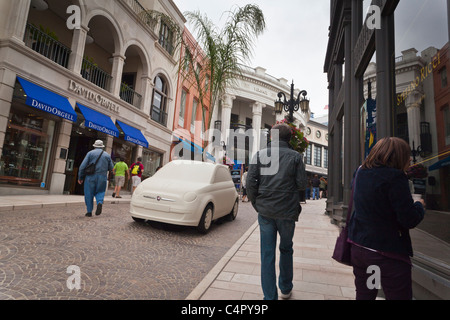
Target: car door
{"points": [[224, 193]]}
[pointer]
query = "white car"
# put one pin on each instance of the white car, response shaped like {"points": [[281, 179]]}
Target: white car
{"points": [[187, 193]]}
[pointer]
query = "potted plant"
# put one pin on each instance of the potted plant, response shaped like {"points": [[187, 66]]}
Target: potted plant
{"points": [[298, 141], [417, 171]]}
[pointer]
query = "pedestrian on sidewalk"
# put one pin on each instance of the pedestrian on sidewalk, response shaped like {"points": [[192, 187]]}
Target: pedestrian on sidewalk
{"points": [[276, 198], [136, 170], [322, 187], [244, 186], [315, 183], [119, 171], [384, 212], [95, 184]]}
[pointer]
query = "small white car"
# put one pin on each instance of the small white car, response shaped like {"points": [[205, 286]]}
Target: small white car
{"points": [[187, 193]]}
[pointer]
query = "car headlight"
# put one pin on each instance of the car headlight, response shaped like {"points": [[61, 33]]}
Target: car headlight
{"points": [[190, 196]]}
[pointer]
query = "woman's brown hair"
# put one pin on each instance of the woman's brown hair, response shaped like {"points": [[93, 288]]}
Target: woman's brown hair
{"points": [[390, 152]]}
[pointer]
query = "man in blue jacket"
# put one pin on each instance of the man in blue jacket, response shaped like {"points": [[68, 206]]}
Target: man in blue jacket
{"points": [[276, 198], [95, 184]]}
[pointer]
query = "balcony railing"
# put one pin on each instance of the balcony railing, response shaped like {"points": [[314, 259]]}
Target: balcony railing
{"points": [[159, 116], [91, 72], [46, 45], [127, 94]]}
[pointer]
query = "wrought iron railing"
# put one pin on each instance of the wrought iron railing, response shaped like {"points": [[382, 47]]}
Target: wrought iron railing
{"points": [[46, 45], [91, 72], [127, 94], [159, 116]]}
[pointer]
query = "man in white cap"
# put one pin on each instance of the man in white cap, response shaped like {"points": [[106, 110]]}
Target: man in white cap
{"points": [[95, 183]]}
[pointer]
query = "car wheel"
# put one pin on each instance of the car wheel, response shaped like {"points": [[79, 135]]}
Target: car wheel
{"points": [[206, 220], [138, 219], [233, 214]]}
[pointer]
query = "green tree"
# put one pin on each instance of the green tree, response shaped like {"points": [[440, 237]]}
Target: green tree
{"points": [[222, 54]]}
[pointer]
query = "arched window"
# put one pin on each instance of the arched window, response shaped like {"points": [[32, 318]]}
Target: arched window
{"points": [[159, 103]]}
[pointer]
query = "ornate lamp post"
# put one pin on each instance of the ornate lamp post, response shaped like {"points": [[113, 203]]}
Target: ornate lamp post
{"points": [[292, 105]]}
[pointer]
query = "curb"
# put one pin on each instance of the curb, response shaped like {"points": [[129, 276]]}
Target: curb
{"points": [[201, 288]]}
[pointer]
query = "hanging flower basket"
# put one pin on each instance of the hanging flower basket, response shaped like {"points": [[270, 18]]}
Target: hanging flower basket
{"points": [[417, 171], [298, 141]]}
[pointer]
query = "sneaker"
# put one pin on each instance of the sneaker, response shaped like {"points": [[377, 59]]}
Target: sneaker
{"points": [[99, 210], [285, 296], [114, 195], [89, 214]]}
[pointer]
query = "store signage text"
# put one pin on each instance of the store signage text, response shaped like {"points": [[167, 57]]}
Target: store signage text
{"points": [[93, 96], [94, 126], [53, 110]]}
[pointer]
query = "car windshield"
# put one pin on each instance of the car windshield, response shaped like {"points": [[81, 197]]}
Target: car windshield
{"points": [[191, 172]]}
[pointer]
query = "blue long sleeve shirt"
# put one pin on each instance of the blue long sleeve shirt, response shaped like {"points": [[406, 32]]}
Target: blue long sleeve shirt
{"points": [[104, 165]]}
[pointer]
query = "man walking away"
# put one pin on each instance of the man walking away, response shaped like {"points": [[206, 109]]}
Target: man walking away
{"points": [[119, 171], [136, 170], [276, 198], [95, 184], [315, 184]]}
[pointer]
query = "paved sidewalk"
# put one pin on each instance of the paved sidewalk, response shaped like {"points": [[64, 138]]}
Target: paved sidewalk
{"points": [[9, 203], [316, 275]]}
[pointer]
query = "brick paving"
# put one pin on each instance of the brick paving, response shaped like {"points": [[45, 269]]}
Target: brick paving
{"points": [[118, 258]]}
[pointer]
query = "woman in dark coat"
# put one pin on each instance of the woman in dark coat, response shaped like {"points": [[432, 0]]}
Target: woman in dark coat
{"points": [[379, 228]]}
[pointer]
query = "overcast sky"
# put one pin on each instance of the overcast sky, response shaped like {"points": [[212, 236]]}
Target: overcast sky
{"points": [[294, 43]]}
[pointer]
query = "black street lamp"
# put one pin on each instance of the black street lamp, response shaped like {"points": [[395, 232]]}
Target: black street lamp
{"points": [[415, 152], [292, 105]]}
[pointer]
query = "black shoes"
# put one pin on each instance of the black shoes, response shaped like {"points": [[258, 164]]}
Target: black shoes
{"points": [[99, 209], [89, 214], [114, 195]]}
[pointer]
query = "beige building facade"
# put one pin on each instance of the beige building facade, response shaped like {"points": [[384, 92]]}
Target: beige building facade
{"points": [[111, 77]]}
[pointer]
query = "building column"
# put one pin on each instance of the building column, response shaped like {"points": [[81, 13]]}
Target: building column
{"points": [[385, 51], [17, 15], [117, 71], [227, 106], [357, 95], [146, 92], [413, 110], [348, 146], [58, 177], [257, 108], [77, 47], [7, 84]]}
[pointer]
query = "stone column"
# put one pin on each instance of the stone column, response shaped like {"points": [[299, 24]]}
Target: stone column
{"points": [[146, 92], [7, 83], [117, 71], [413, 110], [58, 177], [227, 106], [13, 23], [257, 108], [77, 47]]}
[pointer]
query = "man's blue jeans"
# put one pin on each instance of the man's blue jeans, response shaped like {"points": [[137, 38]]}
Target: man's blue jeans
{"points": [[268, 230], [94, 186], [316, 194]]}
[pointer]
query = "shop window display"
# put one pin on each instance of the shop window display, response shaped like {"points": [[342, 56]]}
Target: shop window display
{"points": [[26, 150]]}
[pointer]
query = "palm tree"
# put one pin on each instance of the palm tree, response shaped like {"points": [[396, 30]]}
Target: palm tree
{"points": [[222, 52]]}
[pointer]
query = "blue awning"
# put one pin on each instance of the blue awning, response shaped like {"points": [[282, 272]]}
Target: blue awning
{"points": [[197, 148], [440, 164], [133, 135], [45, 100], [186, 144], [98, 121]]}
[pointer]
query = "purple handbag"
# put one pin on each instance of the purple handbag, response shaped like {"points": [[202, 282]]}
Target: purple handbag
{"points": [[342, 248]]}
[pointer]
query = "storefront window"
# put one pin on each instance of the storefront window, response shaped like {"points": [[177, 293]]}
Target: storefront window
{"points": [[26, 151], [152, 161]]}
